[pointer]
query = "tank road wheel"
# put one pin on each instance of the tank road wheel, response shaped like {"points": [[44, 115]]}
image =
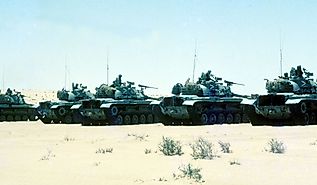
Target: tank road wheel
{"points": [[237, 118], [46, 120], [306, 119], [56, 121], [2, 118], [25, 118], [229, 118], [33, 118], [150, 118], [313, 118], [17, 118], [245, 118], [61, 111], [68, 119], [142, 119], [9, 118], [127, 120], [114, 110], [119, 120], [135, 119], [221, 118], [303, 107], [213, 119], [204, 119]]}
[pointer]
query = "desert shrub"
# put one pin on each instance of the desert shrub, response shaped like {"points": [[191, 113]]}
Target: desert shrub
{"points": [[47, 156], [139, 137], [202, 149], [234, 162], [109, 150], [314, 143], [170, 147], [275, 146], [104, 150], [189, 171], [67, 138], [147, 151], [225, 147]]}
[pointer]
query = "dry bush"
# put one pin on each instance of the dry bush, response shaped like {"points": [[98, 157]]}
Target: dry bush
{"points": [[276, 146], [225, 147], [190, 172], [48, 156], [67, 139], [234, 162], [104, 150], [139, 137], [147, 151], [203, 149], [170, 147]]}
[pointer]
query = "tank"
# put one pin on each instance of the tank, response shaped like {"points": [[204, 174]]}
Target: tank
{"points": [[119, 103], [14, 108], [208, 101], [290, 100], [66, 108]]}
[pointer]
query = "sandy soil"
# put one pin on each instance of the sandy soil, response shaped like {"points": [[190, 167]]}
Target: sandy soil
{"points": [[32, 153]]}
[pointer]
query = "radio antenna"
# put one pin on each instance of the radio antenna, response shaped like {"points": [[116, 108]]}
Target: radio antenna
{"points": [[108, 67], [195, 58], [281, 56], [3, 79], [65, 80]]}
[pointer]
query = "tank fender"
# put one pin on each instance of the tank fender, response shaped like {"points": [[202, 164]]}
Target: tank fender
{"points": [[35, 106], [106, 105], [77, 106], [246, 101], [155, 102], [190, 102], [54, 106], [293, 101]]}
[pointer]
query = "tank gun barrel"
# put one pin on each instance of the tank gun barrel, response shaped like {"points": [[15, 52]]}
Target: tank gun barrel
{"points": [[229, 83], [130, 83], [147, 87]]}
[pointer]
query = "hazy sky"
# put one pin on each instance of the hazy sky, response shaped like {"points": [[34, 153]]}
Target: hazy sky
{"points": [[153, 42]]}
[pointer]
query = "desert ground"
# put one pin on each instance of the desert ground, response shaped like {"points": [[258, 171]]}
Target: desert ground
{"points": [[33, 153]]}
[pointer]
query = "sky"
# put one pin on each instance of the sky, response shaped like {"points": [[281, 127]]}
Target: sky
{"points": [[153, 42]]}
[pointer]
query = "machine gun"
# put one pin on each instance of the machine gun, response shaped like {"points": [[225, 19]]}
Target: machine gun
{"points": [[146, 87], [308, 74], [229, 83]]}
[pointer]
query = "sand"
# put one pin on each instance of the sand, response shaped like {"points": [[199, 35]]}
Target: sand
{"points": [[32, 153]]}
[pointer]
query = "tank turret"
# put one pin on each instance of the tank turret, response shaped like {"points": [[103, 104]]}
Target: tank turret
{"points": [[12, 97], [121, 90], [78, 92], [293, 83], [207, 85]]}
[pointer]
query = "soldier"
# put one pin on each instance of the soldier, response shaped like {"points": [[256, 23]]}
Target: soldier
{"points": [[117, 82], [9, 92]]}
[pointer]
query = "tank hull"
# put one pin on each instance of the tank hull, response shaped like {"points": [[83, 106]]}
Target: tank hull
{"points": [[18, 112], [60, 112], [283, 110], [183, 110], [117, 112]]}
